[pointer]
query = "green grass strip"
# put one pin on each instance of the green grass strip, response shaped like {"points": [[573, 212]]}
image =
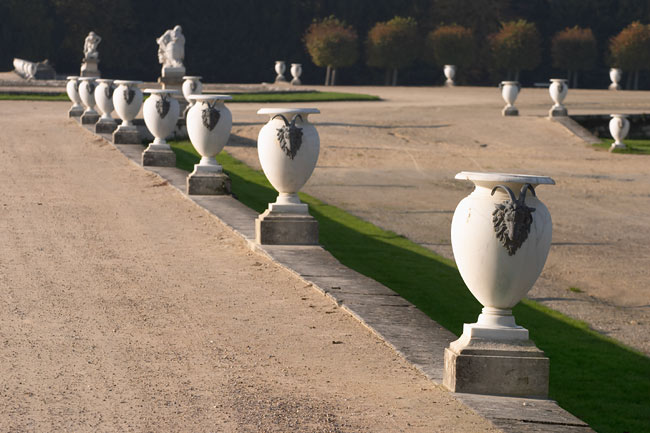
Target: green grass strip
{"points": [[592, 376], [236, 97], [634, 147]]}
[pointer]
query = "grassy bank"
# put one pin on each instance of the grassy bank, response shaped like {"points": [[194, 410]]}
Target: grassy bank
{"points": [[634, 147], [594, 377]]}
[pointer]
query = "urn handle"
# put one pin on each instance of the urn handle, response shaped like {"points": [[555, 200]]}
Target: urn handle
{"points": [[512, 218]]}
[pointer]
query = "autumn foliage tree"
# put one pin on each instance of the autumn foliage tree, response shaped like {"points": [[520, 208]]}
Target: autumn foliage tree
{"points": [[450, 45], [516, 47], [393, 45], [331, 44], [630, 50], [574, 49]]}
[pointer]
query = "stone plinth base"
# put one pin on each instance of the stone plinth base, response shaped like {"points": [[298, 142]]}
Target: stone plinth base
{"points": [[558, 112], [76, 111], [450, 83], [105, 126], [617, 146], [89, 118], [510, 111], [89, 68], [158, 157], [126, 135], [514, 367], [614, 86], [172, 77], [277, 228], [296, 82], [207, 183]]}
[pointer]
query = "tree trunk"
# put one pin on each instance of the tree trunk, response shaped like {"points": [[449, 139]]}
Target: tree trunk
{"points": [[327, 76], [636, 80], [395, 77], [387, 77], [333, 77]]}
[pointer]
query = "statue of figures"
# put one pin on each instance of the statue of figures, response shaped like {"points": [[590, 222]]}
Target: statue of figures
{"points": [[171, 48], [90, 46]]}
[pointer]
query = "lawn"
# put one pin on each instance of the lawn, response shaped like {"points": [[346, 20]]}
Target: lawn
{"points": [[592, 376], [634, 147]]}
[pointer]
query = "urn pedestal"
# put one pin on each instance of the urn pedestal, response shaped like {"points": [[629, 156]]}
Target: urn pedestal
{"points": [[104, 98], [127, 101], [72, 89], [89, 68], [450, 73], [288, 147], [500, 243], [558, 90], [509, 92], [209, 123], [619, 126], [161, 112], [87, 94], [615, 74]]}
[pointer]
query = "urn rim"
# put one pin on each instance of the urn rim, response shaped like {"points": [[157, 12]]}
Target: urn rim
{"points": [[192, 77], [209, 97], [87, 79], [557, 80], [127, 82], [161, 91], [624, 116], [510, 82], [504, 177], [274, 111], [72, 77], [104, 80]]}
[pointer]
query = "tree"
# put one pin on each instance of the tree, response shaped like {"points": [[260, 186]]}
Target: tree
{"points": [[630, 50], [574, 49], [516, 47], [450, 45], [393, 45], [332, 44]]}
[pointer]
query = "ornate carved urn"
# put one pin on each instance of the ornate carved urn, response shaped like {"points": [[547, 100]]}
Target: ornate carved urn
{"points": [[500, 236], [279, 70], [558, 90], [161, 112], [615, 74], [296, 72], [87, 94], [104, 97], [191, 86], [619, 126], [450, 73], [72, 89], [509, 92], [127, 101]]}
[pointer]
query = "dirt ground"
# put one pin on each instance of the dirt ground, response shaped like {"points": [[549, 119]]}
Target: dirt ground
{"points": [[393, 163], [125, 307]]}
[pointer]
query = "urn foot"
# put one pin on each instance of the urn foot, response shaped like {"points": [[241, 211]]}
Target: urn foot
{"points": [[617, 146], [510, 111], [449, 83], [558, 112], [276, 228], [75, 112], [202, 183], [105, 126], [89, 118], [514, 367], [126, 135], [296, 82], [158, 157], [614, 86]]}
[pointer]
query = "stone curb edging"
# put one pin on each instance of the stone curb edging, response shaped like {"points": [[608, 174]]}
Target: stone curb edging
{"points": [[397, 322]]}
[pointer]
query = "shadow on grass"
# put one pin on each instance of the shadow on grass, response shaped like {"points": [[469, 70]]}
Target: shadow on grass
{"points": [[594, 377]]}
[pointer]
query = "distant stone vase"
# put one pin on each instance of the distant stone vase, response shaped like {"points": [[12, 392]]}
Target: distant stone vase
{"points": [[191, 86], [72, 89], [619, 127], [161, 111], [296, 72], [615, 74], [288, 147], [104, 98], [87, 93], [450, 73], [509, 92], [558, 91], [209, 122], [500, 236], [280, 67], [127, 100]]}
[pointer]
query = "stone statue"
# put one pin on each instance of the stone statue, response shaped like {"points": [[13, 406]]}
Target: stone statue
{"points": [[90, 46], [171, 48]]}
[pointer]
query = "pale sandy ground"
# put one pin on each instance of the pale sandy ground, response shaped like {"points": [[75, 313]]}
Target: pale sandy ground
{"points": [[125, 307], [393, 163]]}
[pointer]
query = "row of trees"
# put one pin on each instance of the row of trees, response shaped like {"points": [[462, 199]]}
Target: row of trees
{"points": [[517, 46]]}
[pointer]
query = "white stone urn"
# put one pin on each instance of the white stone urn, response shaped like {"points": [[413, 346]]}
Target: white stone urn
{"points": [[127, 101], [288, 147], [104, 98], [87, 93], [500, 236], [280, 67], [509, 92], [450, 73], [160, 112], [296, 72], [72, 89], [191, 86], [558, 91], [615, 74], [208, 125], [619, 126]]}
